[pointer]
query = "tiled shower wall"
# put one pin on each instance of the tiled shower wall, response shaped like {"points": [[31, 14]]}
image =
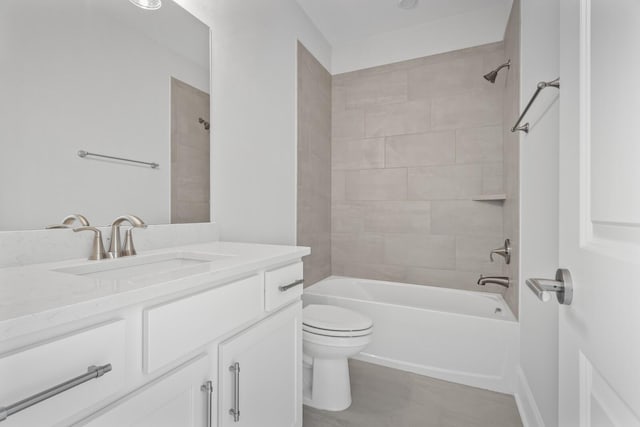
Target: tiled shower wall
{"points": [[511, 111], [314, 165], [412, 144]]}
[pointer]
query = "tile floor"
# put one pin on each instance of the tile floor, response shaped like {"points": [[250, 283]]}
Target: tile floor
{"points": [[384, 397]]}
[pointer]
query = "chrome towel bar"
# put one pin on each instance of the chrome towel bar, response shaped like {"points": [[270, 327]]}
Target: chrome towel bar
{"points": [[542, 85], [93, 372], [85, 154]]}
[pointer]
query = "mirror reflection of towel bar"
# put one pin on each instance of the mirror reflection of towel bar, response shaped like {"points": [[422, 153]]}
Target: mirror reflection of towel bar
{"points": [[84, 154]]}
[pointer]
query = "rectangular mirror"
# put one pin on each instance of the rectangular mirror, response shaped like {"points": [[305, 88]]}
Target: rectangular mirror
{"points": [[108, 78]]}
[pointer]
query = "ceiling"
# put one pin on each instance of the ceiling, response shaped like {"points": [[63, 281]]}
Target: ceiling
{"points": [[343, 21]]}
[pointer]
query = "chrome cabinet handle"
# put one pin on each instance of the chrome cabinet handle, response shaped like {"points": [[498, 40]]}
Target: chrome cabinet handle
{"points": [[562, 287], [235, 411], [93, 372], [208, 388], [285, 288]]}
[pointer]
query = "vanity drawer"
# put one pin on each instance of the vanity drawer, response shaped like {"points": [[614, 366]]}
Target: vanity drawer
{"points": [[28, 371], [282, 285], [176, 328]]}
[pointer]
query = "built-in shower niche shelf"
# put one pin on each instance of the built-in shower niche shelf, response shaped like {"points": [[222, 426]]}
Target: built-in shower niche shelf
{"points": [[490, 198]]}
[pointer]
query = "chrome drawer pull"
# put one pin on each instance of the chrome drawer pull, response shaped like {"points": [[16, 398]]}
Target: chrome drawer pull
{"points": [[208, 388], [93, 372], [285, 288], [235, 411]]}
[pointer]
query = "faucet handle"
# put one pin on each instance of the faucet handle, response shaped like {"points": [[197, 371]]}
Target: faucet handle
{"points": [[504, 252], [128, 249], [97, 249]]}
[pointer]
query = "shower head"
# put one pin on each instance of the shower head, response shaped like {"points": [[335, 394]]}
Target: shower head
{"points": [[492, 75]]}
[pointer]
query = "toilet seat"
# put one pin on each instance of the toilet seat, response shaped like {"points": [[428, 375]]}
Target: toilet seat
{"points": [[337, 334], [332, 321]]}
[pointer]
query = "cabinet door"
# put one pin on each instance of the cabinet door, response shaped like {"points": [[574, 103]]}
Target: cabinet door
{"points": [[269, 381], [175, 399]]}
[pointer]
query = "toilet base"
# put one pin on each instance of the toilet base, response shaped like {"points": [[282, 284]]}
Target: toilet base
{"points": [[327, 384]]}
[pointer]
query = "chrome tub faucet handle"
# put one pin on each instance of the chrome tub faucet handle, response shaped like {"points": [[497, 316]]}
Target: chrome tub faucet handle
{"points": [[504, 251]]}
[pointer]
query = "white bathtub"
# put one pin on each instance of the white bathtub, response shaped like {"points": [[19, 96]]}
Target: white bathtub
{"points": [[460, 336]]}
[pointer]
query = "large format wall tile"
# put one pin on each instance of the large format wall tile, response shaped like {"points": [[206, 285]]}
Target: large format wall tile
{"points": [[466, 218], [376, 184], [413, 142], [511, 109], [480, 107], [482, 144], [347, 124], [396, 217], [454, 76], [353, 248], [314, 164], [445, 182], [358, 154], [374, 89], [420, 250], [423, 149], [397, 119]]}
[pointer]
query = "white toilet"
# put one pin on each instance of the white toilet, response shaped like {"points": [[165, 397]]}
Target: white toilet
{"points": [[331, 335]]}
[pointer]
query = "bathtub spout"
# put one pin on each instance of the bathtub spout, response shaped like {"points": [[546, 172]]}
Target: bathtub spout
{"points": [[496, 280]]}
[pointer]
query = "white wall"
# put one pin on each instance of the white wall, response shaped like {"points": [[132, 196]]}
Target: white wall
{"points": [[254, 116], [482, 26], [539, 207], [79, 76]]}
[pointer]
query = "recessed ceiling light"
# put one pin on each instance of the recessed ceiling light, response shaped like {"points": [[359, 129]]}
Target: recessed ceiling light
{"points": [[407, 4], [148, 4]]}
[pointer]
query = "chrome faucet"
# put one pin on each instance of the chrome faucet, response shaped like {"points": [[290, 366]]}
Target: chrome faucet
{"points": [[116, 249], [496, 280]]}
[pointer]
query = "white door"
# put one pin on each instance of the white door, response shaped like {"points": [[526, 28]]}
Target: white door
{"points": [[267, 390], [600, 212]]}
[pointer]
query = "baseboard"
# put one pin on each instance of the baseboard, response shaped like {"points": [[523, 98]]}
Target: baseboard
{"points": [[500, 384], [526, 403]]}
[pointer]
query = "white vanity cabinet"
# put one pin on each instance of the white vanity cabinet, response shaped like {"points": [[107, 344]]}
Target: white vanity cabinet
{"points": [[178, 398], [260, 373], [169, 357]]}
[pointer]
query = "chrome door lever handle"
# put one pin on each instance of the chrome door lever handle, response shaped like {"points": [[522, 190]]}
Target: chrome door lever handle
{"points": [[562, 286]]}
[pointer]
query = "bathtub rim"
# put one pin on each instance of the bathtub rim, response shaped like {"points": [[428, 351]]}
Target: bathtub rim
{"points": [[509, 316]]}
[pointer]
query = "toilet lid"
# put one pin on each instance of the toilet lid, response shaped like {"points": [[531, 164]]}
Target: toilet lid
{"points": [[332, 318]]}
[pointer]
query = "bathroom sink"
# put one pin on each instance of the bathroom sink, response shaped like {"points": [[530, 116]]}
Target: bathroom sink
{"points": [[130, 268]]}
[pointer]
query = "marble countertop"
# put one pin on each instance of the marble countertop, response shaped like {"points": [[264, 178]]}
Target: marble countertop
{"points": [[36, 296]]}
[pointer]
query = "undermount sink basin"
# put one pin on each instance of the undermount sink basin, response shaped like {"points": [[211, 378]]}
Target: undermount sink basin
{"points": [[129, 268]]}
